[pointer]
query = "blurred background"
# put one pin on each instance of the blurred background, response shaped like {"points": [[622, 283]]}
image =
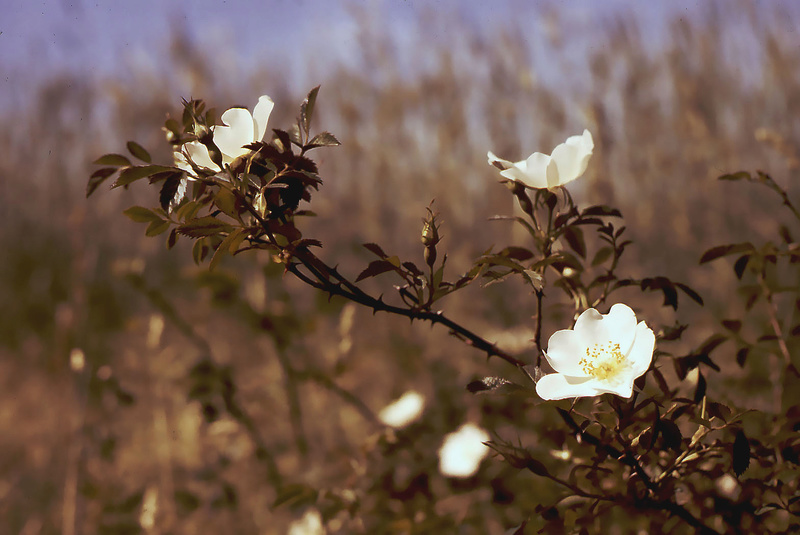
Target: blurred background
{"points": [[115, 353]]}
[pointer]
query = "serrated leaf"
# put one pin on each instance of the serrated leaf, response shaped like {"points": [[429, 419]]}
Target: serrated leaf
{"points": [[97, 178], [204, 226], [725, 250], [138, 151], [140, 214], [172, 239], [376, 267], [132, 174], [307, 109], [323, 139], [740, 453], [117, 160], [173, 190]]}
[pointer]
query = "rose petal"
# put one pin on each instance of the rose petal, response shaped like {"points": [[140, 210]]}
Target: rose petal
{"points": [[565, 349], [559, 386], [239, 132], [567, 159], [261, 115], [618, 326], [536, 170], [641, 353], [198, 153]]}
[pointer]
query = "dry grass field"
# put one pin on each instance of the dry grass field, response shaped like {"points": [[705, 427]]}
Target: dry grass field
{"points": [[101, 328]]}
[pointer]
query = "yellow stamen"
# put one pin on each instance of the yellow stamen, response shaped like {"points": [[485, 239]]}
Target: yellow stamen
{"points": [[603, 361]]}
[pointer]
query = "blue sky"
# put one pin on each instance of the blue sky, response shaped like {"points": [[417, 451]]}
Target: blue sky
{"points": [[41, 38], [45, 37]]}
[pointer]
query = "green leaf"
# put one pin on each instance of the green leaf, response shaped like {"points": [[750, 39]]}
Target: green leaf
{"points": [[725, 250], [173, 190], [741, 453], [307, 109], [117, 160], [601, 210], [224, 247], [132, 174], [98, 177], [517, 253], [375, 249], [376, 267], [172, 239], [323, 139], [157, 227], [574, 237], [226, 201], [138, 152], [602, 254], [693, 295], [140, 214], [204, 226], [199, 251], [741, 175]]}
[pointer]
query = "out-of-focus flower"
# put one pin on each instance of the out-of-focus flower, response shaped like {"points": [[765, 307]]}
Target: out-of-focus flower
{"points": [[310, 524], [403, 410], [567, 162], [240, 128], [604, 353], [462, 451]]}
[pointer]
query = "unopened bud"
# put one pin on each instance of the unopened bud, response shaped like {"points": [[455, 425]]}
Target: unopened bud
{"points": [[430, 234]]}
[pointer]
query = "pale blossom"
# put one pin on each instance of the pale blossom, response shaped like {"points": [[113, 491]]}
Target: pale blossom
{"points": [[309, 524], [462, 451], [240, 128], [567, 162], [603, 353], [403, 410]]}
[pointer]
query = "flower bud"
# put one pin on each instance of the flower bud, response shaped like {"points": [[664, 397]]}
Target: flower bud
{"points": [[430, 234]]}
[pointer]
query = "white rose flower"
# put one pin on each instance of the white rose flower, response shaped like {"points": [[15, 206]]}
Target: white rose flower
{"points": [[602, 354], [403, 410], [240, 128], [462, 451], [567, 162], [310, 524]]}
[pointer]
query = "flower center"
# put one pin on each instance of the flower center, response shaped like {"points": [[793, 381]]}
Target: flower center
{"points": [[603, 361]]}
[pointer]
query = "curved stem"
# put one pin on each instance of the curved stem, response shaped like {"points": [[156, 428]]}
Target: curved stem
{"points": [[344, 288]]}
